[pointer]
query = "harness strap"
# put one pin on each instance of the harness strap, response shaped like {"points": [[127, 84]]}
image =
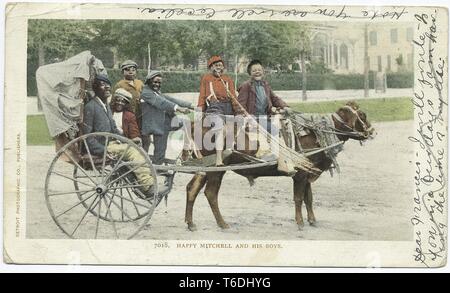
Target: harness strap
{"points": [[359, 118], [339, 118]]}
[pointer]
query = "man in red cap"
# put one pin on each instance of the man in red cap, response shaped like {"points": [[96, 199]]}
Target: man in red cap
{"points": [[218, 98]]}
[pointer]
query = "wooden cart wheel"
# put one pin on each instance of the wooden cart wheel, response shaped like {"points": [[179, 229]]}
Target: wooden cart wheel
{"points": [[98, 195]]}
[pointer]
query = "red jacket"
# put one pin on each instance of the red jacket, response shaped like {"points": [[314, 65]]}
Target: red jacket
{"points": [[247, 97], [219, 89], [129, 125]]}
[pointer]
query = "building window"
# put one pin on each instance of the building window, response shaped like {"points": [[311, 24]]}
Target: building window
{"points": [[373, 38], [319, 44], [409, 34], [380, 67], [389, 66], [394, 35]]}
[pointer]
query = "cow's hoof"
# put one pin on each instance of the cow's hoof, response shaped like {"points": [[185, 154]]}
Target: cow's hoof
{"points": [[192, 227], [300, 226], [312, 223]]}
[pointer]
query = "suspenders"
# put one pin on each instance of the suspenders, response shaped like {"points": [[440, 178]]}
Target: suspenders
{"points": [[212, 95]]}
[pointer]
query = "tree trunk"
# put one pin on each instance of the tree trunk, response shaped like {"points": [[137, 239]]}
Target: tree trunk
{"points": [[115, 58], [41, 55], [144, 63], [149, 52], [304, 77], [236, 60], [225, 45], [366, 62], [41, 62]]}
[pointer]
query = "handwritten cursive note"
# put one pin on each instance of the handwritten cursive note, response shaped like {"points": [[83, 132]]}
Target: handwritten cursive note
{"points": [[385, 13], [430, 139]]}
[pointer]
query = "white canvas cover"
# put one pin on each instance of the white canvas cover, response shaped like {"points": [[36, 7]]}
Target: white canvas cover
{"points": [[59, 86]]}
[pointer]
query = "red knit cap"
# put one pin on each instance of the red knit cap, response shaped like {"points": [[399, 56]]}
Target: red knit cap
{"points": [[214, 59]]}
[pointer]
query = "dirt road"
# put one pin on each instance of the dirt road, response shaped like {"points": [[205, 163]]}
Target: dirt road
{"points": [[371, 199]]}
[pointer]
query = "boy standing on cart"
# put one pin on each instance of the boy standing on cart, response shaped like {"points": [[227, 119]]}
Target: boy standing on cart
{"points": [[134, 86], [218, 98], [98, 118], [158, 112]]}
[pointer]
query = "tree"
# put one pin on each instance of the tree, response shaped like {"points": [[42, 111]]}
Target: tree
{"points": [[57, 38], [305, 51], [196, 38], [366, 61], [51, 40]]}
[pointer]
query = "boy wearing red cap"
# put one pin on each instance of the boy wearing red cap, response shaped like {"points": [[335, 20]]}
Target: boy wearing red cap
{"points": [[218, 97]]}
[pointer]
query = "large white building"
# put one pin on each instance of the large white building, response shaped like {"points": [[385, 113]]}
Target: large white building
{"points": [[341, 47]]}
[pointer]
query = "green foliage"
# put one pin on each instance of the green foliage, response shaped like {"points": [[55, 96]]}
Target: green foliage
{"points": [[59, 38], [276, 44], [177, 82], [170, 42], [377, 110], [174, 82], [400, 80], [318, 67], [37, 131], [273, 43]]}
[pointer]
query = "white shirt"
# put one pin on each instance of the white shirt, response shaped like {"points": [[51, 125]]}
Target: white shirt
{"points": [[101, 103], [117, 116]]}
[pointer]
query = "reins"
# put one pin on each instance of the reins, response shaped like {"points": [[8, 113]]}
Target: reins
{"points": [[333, 130]]}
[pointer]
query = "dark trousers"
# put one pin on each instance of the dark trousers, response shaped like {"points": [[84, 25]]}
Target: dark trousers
{"points": [[160, 144], [146, 141]]}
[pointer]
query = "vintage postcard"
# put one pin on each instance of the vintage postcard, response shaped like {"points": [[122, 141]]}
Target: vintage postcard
{"points": [[156, 134]]}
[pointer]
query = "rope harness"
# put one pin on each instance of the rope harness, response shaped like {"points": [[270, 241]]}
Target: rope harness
{"points": [[326, 134], [299, 160]]}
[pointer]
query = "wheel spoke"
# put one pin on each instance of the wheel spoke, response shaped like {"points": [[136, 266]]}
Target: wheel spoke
{"points": [[126, 173], [85, 213], [121, 205], [132, 201], [129, 195], [66, 211], [104, 157], [74, 180], [117, 164], [70, 192], [109, 209], [90, 156], [78, 165], [125, 213], [98, 218], [112, 221], [93, 176], [121, 202], [109, 206]]}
